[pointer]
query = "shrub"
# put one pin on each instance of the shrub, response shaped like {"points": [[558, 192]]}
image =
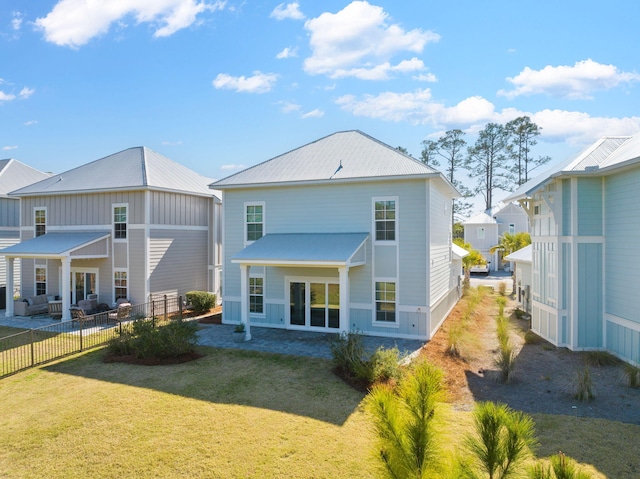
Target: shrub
{"points": [[502, 330], [562, 467], [348, 355], [502, 302], [506, 362], [146, 341], [502, 288], [532, 338], [601, 358], [583, 385], [632, 375], [384, 365], [201, 301]]}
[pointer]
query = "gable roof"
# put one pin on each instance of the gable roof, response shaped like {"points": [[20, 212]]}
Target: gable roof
{"points": [[523, 255], [606, 154], [480, 219], [342, 156], [131, 169], [14, 174]]}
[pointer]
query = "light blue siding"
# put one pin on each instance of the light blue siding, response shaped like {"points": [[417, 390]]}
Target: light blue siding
{"points": [[589, 314], [624, 342], [439, 241], [590, 206], [564, 275], [385, 263], [566, 207]]}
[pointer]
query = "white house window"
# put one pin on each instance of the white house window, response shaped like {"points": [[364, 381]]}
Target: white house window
{"points": [[481, 233], [385, 219], [120, 222], [512, 228], [40, 221], [254, 221], [256, 295], [385, 302], [41, 280], [120, 284]]}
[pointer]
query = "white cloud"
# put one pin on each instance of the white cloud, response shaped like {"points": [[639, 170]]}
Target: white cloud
{"points": [[73, 23], [6, 96], [26, 92], [16, 21], [8, 148], [473, 113], [232, 167], [291, 10], [573, 82], [258, 83], [172, 143], [313, 114], [426, 77], [288, 107], [287, 53], [30, 122], [359, 41]]}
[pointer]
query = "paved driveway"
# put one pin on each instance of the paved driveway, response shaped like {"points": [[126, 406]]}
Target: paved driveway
{"points": [[492, 279]]}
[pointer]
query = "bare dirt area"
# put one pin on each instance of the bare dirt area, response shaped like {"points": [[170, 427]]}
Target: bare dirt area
{"points": [[544, 375]]}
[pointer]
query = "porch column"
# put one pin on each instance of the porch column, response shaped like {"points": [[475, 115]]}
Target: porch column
{"points": [[9, 294], [244, 299], [344, 299], [65, 288]]}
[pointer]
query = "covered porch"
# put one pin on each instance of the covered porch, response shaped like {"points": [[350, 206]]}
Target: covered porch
{"points": [[63, 247], [303, 250]]}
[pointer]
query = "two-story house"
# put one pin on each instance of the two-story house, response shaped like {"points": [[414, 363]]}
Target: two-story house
{"points": [[13, 175], [344, 233], [483, 230], [585, 219], [130, 225]]}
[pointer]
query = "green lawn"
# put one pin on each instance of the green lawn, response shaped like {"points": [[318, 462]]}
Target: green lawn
{"points": [[230, 414]]}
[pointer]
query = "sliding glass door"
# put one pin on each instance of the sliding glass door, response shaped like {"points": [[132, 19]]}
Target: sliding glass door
{"points": [[314, 304]]}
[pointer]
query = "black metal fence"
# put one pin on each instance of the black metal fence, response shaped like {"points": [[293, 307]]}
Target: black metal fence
{"points": [[36, 346]]}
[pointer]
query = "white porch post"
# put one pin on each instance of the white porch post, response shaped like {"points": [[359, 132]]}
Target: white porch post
{"points": [[344, 298], [244, 299], [65, 288], [9, 294]]}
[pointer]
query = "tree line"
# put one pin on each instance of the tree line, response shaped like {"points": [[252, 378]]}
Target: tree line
{"points": [[500, 159]]}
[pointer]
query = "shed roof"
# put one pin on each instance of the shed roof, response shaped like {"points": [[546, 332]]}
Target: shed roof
{"points": [[303, 249], [15, 174], [131, 169], [54, 244], [459, 251], [342, 156], [523, 255]]}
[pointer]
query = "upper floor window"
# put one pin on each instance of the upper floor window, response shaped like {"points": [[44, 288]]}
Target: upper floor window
{"points": [[120, 222], [254, 221], [40, 221], [512, 228], [385, 219]]}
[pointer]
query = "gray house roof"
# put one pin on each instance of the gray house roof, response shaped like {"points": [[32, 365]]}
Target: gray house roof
{"points": [[605, 155], [303, 248], [14, 174], [343, 156], [131, 169], [54, 244]]}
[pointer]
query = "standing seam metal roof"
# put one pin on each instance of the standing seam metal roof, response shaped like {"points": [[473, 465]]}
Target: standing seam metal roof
{"points": [[15, 174]]}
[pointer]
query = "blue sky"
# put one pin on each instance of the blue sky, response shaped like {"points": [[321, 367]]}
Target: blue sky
{"points": [[221, 85]]}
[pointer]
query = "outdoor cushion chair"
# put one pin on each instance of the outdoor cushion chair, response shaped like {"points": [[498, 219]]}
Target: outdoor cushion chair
{"points": [[78, 315], [122, 313]]}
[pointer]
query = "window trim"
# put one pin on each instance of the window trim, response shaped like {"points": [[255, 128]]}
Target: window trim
{"points": [[245, 223], [253, 313], [35, 223], [126, 221], [115, 286], [36, 267], [396, 220], [376, 322], [512, 228]]}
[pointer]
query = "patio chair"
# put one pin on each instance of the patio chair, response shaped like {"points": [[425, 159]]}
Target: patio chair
{"points": [[55, 309], [78, 315], [122, 313]]}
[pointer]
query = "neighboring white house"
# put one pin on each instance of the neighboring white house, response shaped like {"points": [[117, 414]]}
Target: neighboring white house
{"points": [[522, 271], [345, 233], [13, 175], [483, 231], [131, 225], [585, 218]]}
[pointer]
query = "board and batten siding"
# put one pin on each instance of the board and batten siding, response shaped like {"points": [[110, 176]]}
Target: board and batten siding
{"points": [[590, 206], [9, 212], [589, 313], [177, 260], [169, 208]]}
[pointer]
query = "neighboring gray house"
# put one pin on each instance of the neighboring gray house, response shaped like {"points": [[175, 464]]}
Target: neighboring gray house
{"points": [[130, 225], [13, 175], [585, 219], [345, 233], [483, 231], [522, 272]]}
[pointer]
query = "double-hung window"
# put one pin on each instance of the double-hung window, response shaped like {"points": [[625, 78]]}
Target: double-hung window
{"points": [[41, 280], [385, 301], [385, 210], [256, 295], [254, 221], [120, 284], [120, 222], [40, 221]]}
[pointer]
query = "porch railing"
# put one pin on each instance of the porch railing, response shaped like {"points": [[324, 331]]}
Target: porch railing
{"points": [[36, 346]]}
